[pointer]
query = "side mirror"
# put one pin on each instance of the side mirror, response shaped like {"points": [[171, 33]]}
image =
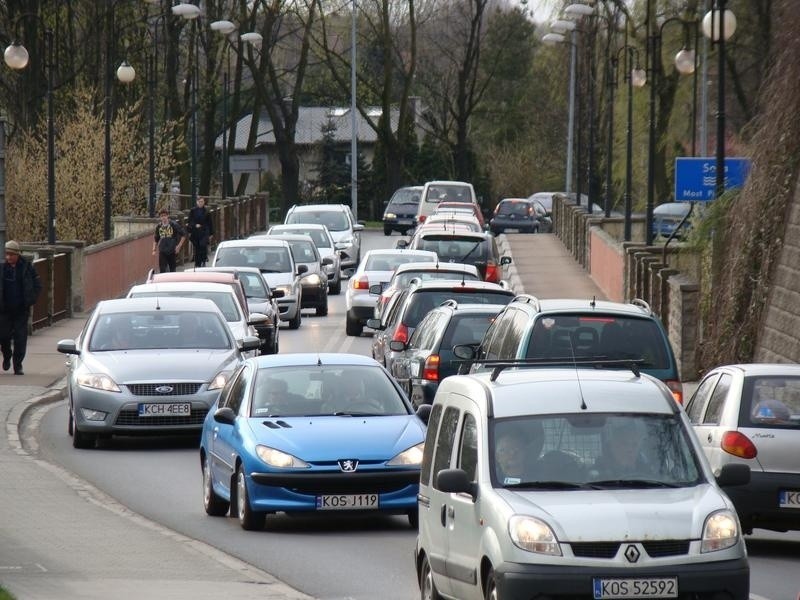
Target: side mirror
{"points": [[359, 226], [402, 244], [424, 412], [734, 474], [327, 260], [374, 324], [277, 293], [505, 260], [376, 289], [465, 351], [225, 415], [257, 319], [302, 269], [68, 347], [397, 346], [455, 481], [249, 342]]}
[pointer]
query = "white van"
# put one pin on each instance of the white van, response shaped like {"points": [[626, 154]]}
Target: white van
{"points": [[434, 192], [572, 483]]}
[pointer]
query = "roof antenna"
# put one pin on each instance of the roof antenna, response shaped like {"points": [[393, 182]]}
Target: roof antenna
{"points": [[577, 373], [593, 303], [319, 360]]}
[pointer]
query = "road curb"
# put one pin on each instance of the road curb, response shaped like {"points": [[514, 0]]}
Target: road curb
{"points": [[511, 270]]}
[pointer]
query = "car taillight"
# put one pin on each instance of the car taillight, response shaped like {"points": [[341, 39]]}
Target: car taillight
{"points": [[492, 272], [360, 283], [430, 370], [400, 334], [676, 387], [421, 219], [738, 444]]}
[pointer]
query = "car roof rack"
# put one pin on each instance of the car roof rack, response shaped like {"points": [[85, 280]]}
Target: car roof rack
{"points": [[642, 304], [528, 299], [499, 365]]}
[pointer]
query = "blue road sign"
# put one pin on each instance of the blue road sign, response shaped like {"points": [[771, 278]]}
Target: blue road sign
{"points": [[696, 178]]}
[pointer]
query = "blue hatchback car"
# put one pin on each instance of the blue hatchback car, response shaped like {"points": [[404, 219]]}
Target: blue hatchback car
{"points": [[311, 433]]}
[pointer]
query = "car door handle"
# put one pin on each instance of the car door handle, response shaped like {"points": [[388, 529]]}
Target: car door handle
{"points": [[444, 515], [216, 432], [710, 438]]}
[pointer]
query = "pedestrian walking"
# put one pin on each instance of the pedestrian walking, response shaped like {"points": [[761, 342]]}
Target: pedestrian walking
{"points": [[20, 287], [167, 241], [201, 230]]}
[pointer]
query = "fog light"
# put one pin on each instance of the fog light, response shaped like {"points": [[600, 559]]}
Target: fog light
{"points": [[93, 415]]}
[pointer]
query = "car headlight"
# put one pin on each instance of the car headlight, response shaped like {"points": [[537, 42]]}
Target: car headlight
{"points": [[312, 279], [533, 535], [720, 531], [276, 458], [98, 381], [345, 242], [220, 379], [286, 289], [410, 457], [389, 216]]}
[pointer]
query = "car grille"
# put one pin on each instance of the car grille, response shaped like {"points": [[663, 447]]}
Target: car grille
{"points": [[132, 418], [152, 389], [381, 482], [655, 549]]}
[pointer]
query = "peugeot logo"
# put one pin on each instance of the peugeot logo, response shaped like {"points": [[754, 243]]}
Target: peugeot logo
{"points": [[632, 553], [164, 389], [348, 465]]}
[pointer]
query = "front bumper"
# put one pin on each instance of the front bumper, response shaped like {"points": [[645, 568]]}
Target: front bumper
{"points": [[757, 503], [518, 223], [348, 257], [728, 580], [288, 307]]}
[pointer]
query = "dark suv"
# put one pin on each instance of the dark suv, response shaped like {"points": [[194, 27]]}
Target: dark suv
{"points": [[427, 358], [401, 210], [569, 331]]}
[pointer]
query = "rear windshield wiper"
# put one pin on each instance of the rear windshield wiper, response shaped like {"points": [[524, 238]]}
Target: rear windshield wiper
{"points": [[475, 247]]}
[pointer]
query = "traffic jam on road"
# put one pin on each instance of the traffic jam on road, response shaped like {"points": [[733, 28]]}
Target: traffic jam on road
{"points": [[533, 446]]}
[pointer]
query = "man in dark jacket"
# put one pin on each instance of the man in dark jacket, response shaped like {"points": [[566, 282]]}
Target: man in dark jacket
{"points": [[201, 230], [19, 288], [167, 241]]}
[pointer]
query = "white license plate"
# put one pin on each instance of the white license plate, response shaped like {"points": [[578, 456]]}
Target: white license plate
{"points": [[347, 502], [177, 409], [405, 221], [662, 587], [789, 499]]}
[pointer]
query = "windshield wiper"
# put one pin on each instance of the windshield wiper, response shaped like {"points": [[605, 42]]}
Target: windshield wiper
{"points": [[637, 483], [475, 247], [546, 485]]}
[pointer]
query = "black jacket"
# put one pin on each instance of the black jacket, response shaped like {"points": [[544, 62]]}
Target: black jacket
{"points": [[200, 216], [30, 281]]}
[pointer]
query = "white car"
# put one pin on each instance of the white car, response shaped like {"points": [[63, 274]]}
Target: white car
{"points": [[325, 246], [274, 259], [376, 268], [338, 218], [572, 483]]}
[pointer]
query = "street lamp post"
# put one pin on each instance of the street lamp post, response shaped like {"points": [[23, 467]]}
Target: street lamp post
{"points": [[16, 57], [225, 28], [353, 120], [635, 77]]}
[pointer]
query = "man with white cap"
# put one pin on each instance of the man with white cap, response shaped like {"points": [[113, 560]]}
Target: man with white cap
{"points": [[19, 288]]}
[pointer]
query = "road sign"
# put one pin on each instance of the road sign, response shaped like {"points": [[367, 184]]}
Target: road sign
{"points": [[696, 178]]}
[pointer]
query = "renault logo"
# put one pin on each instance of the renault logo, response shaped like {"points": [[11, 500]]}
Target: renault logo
{"points": [[348, 465], [632, 553], [164, 389]]}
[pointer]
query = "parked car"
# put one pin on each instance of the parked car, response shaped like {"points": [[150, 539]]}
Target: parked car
{"points": [[434, 192], [750, 414], [572, 483], [239, 320], [274, 259], [569, 330], [148, 365], [303, 433], [521, 214], [401, 210], [376, 268], [470, 247], [260, 299], [314, 281], [545, 199], [338, 218], [668, 217], [427, 358], [409, 307], [325, 246]]}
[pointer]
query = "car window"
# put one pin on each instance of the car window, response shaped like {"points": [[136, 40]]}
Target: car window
{"points": [[237, 391], [455, 249], [423, 301], [317, 235], [446, 439], [303, 252], [393, 308], [464, 329], [513, 207], [448, 193], [468, 449], [512, 340], [158, 330], [717, 402], [225, 301], [405, 196], [273, 259], [695, 407], [254, 286], [334, 220], [495, 335], [771, 402], [430, 440]]}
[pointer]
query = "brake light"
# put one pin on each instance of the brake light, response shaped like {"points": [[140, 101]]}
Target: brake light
{"points": [[492, 272], [360, 283], [421, 219], [430, 370], [400, 334], [676, 387], [738, 444]]}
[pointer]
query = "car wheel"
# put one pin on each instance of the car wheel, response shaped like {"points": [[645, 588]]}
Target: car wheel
{"points": [[353, 327], [427, 588], [322, 309], [387, 230], [336, 287], [82, 440], [490, 587], [413, 518], [249, 519], [215, 505], [298, 318], [70, 421]]}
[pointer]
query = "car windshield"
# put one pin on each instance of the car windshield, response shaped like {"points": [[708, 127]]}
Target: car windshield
{"points": [[456, 249], [389, 262], [254, 286], [423, 301], [514, 207], [448, 193], [771, 402], [597, 336], [268, 259], [317, 235], [403, 279], [336, 390], [405, 196], [592, 451], [303, 252], [225, 301], [158, 330], [334, 220]]}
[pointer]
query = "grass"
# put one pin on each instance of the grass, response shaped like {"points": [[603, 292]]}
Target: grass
{"points": [[4, 595]]}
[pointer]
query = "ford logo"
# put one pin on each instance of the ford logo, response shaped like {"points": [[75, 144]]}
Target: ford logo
{"points": [[164, 389]]}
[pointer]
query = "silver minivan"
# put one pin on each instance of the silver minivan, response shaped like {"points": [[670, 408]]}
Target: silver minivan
{"points": [[572, 483]]}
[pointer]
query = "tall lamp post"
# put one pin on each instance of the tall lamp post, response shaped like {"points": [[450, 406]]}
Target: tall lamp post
{"points": [[152, 62], [635, 77], [16, 57], [353, 120], [225, 28], [557, 33], [719, 24]]}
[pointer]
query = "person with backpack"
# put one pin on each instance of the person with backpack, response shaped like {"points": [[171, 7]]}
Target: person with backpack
{"points": [[167, 241]]}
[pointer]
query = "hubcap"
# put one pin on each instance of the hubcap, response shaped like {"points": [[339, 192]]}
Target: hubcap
{"points": [[206, 483], [241, 492]]}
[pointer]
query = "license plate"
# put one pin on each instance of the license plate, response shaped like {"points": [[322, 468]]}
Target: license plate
{"points": [[662, 587], [347, 502], [789, 499], [177, 409], [405, 221]]}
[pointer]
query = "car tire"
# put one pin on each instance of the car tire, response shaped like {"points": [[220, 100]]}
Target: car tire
{"points": [[387, 230], [353, 327], [336, 287], [249, 519], [70, 422], [490, 586], [214, 504], [81, 440], [322, 309], [427, 588], [298, 318], [413, 518]]}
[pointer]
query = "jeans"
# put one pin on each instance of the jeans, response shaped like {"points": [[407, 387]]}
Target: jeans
{"points": [[166, 262], [14, 328]]}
